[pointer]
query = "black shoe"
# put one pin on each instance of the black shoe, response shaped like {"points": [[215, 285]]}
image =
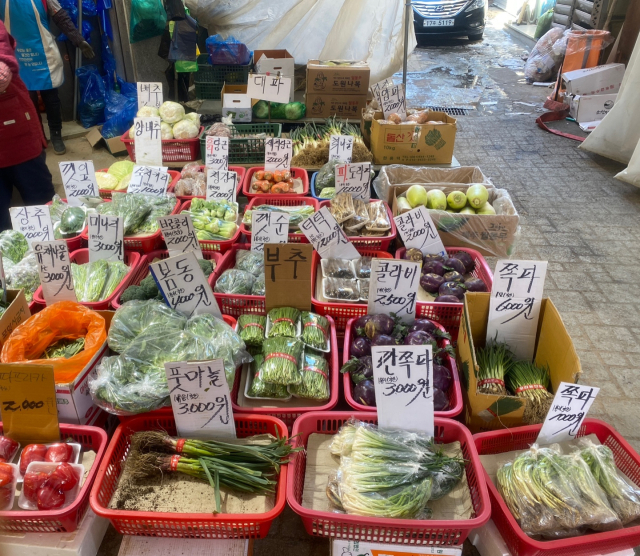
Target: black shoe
{"points": [[58, 144]]}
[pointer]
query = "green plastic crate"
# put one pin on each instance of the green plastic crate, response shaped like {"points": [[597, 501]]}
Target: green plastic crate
{"points": [[234, 75], [209, 91], [243, 150]]}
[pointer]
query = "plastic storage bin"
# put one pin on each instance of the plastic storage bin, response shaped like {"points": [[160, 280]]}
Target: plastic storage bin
{"points": [[173, 150], [312, 188], [237, 169], [244, 145], [221, 245], [221, 73], [279, 201]]}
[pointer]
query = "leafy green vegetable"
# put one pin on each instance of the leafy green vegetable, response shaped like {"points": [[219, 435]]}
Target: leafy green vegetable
{"points": [[139, 211], [315, 378], [250, 261], [121, 168], [24, 275], [326, 176], [13, 245], [261, 389], [252, 329], [294, 111], [281, 360], [261, 110], [234, 281], [64, 348], [96, 281], [258, 287], [72, 220]]}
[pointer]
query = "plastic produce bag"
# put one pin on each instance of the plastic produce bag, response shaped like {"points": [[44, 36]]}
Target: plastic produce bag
{"points": [[119, 112], [62, 320], [250, 261], [148, 19], [546, 56], [92, 96], [24, 275], [13, 245], [227, 51], [234, 281]]}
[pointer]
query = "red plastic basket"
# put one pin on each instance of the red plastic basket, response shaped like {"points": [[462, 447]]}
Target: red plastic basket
{"points": [[146, 260], [340, 312], [76, 242], [67, 519], [81, 256], [519, 543], [173, 150], [279, 201], [455, 391], [449, 314], [106, 193], [202, 525], [240, 170], [372, 529], [221, 246], [289, 414], [376, 243], [299, 173]]}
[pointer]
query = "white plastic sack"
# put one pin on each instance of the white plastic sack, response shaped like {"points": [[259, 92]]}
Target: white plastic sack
{"points": [[367, 30]]}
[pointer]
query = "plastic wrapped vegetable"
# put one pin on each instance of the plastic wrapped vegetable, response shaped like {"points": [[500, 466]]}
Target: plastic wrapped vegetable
{"points": [[171, 112], [139, 211], [13, 245], [23, 275], [121, 168], [258, 287], [326, 176], [315, 330], [252, 329], [250, 261], [283, 321], [234, 281], [281, 360], [72, 221], [96, 281], [261, 389], [105, 180], [315, 378]]}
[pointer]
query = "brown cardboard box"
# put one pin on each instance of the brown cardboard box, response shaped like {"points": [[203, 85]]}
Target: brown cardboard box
{"points": [[344, 106], [274, 62], [365, 129], [351, 79], [16, 314], [413, 144], [115, 146], [554, 348]]}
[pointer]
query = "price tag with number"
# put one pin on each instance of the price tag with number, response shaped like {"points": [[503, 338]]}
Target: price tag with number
{"points": [[277, 154], [514, 307], [54, 268], [217, 153], [268, 227], [341, 147], [184, 286], [79, 180], [34, 222], [392, 101], [149, 94], [569, 408], [105, 237], [403, 382], [418, 231], [200, 399], [222, 185], [326, 236], [354, 179], [393, 288], [179, 235], [377, 87], [147, 141], [150, 180], [272, 88]]}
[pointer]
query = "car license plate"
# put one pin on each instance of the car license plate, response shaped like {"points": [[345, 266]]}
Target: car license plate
{"points": [[438, 23]]}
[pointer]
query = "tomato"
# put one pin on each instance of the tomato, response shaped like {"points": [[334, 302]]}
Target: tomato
{"points": [[59, 452], [33, 482], [5, 497], [49, 498], [8, 448], [6, 474], [33, 452], [63, 477]]}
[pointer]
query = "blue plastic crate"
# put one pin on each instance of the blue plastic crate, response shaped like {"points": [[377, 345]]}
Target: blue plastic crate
{"points": [[313, 189]]}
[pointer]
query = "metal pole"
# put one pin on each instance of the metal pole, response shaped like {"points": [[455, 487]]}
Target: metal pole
{"points": [[407, 21], [78, 64]]}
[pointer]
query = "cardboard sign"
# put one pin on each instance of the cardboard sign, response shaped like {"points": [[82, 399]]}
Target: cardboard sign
{"points": [[393, 101], [377, 87], [514, 310], [54, 268], [217, 153], [106, 235], [394, 288], [354, 179], [147, 141], [149, 94], [569, 408], [327, 237], [418, 231], [150, 180], [200, 399], [277, 154], [179, 235], [403, 381], [287, 275], [17, 312], [272, 88], [34, 222], [221, 185], [79, 180], [184, 285], [341, 147], [28, 403], [268, 227]]}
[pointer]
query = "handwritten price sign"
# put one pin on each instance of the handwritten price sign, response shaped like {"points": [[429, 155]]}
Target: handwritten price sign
{"points": [[34, 223], [105, 238], [354, 179], [269, 87], [217, 153], [149, 94], [150, 180], [179, 235], [394, 288], [393, 101], [79, 180], [268, 227], [419, 232], [147, 141], [222, 185], [326, 236], [54, 268], [277, 154], [341, 147]]}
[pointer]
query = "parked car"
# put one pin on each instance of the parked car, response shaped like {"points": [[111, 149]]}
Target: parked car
{"points": [[449, 18]]}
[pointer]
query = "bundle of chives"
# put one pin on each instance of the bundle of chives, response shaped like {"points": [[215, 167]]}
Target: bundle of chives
{"points": [[315, 378], [252, 329], [261, 389], [284, 322], [495, 361], [528, 381], [281, 361], [315, 330]]}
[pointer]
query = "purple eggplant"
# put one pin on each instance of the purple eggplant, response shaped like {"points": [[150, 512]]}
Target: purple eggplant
{"points": [[452, 288], [361, 322], [435, 267], [453, 276], [432, 257], [363, 370], [420, 338], [364, 392], [455, 264], [440, 400], [447, 299], [442, 377], [431, 282], [383, 340], [475, 285], [379, 324], [466, 259], [423, 324], [360, 347]]}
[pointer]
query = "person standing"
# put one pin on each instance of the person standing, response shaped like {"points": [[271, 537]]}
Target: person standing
{"points": [[22, 142], [38, 56]]}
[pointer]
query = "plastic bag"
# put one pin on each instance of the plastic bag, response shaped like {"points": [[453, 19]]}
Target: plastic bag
{"points": [[92, 97], [544, 60], [120, 112], [23, 275], [227, 51], [258, 287], [326, 176], [250, 261], [234, 281], [64, 319], [315, 378], [148, 19], [13, 245], [261, 389]]}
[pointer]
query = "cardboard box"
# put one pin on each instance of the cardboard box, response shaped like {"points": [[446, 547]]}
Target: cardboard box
{"points": [[554, 348], [413, 144], [344, 106], [235, 99], [16, 314], [590, 108], [365, 129], [594, 81], [274, 61], [351, 79], [342, 547], [114, 145]]}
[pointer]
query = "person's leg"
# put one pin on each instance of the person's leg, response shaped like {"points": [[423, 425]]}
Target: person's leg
{"points": [[6, 189], [34, 99], [183, 85], [54, 118], [33, 180]]}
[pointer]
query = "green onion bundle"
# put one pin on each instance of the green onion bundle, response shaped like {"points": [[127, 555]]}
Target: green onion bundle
{"points": [[495, 361], [315, 378], [261, 389], [251, 329], [281, 361], [315, 330], [530, 382], [284, 322]]}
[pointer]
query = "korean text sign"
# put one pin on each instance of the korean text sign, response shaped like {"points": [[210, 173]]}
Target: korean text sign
{"points": [[149, 94], [54, 268], [419, 232], [33, 222], [79, 180], [327, 237], [287, 275], [268, 227], [106, 234], [179, 235], [394, 288], [354, 179], [147, 141], [150, 180]]}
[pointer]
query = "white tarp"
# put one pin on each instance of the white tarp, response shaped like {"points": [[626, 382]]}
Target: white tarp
{"points": [[364, 30]]}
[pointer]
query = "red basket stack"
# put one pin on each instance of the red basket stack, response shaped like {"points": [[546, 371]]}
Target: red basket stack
{"points": [[173, 150], [106, 193], [455, 391], [201, 525], [296, 173], [81, 256], [279, 201], [65, 520], [222, 245], [396, 531], [240, 170]]}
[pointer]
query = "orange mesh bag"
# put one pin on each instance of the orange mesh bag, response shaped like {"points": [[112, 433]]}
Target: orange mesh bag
{"points": [[62, 320]]}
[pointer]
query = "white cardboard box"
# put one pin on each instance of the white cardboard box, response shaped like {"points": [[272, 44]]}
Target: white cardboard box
{"points": [[274, 61], [149, 546], [590, 108], [594, 81], [240, 105], [341, 547]]}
